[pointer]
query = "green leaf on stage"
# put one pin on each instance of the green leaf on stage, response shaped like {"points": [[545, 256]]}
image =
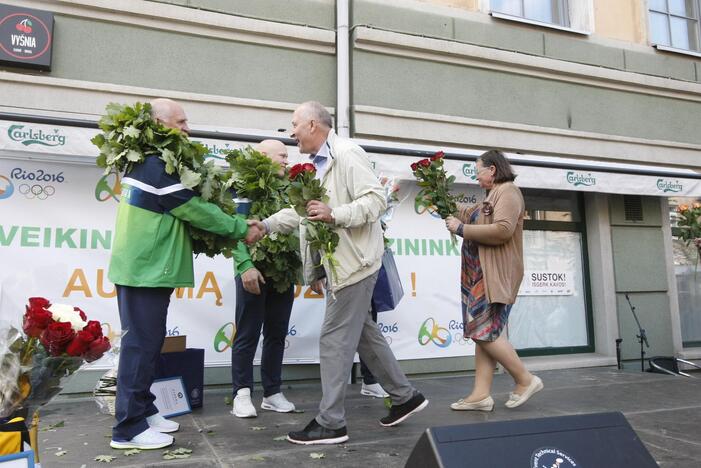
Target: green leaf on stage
{"points": [[316, 455]]}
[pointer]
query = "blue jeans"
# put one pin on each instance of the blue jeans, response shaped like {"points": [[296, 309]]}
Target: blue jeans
{"points": [[269, 310], [142, 312]]}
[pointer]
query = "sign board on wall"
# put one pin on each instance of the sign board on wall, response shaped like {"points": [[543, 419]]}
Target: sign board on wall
{"points": [[26, 37]]}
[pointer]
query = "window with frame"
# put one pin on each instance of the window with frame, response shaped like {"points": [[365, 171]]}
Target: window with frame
{"points": [[675, 23], [545, 11]]}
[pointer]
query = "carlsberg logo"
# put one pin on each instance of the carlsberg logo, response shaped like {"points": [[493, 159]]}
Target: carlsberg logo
{"points": [[31, 136], [577, 179], [470, 170], [669, 186]]}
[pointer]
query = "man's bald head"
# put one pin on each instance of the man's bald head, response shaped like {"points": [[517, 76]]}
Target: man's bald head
{"points": [[170, 114], [276, 151]]}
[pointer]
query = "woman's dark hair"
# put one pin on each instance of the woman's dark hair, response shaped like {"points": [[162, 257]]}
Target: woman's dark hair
{"points": [[496, 158]]}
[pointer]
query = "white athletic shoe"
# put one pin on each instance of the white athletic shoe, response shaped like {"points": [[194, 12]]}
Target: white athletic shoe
{"points": [[278, 403], [243, 406], [161, 424], [147, 440], [373, 390]]}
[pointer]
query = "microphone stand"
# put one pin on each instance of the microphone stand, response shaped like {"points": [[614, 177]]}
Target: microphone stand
{"points": [[642, 337]]}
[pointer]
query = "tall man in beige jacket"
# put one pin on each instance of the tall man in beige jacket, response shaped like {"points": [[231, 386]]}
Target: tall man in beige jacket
{"points": [[356, 201]]}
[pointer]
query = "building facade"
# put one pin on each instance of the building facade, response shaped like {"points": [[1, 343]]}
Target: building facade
{"points": [[591, 98]]}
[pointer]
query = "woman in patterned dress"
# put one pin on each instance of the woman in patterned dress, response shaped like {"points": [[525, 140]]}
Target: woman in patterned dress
{"points": [[492, 270]]}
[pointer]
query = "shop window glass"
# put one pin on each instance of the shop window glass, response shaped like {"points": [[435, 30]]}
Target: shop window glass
{"points": [[555, 318], [688, 276], [551, 205]]}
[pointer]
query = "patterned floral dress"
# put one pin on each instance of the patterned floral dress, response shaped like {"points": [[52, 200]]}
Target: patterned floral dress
{"points": [[482, 321]]}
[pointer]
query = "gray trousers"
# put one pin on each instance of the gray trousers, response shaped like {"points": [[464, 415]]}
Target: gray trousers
{"points": [[348, 327]]}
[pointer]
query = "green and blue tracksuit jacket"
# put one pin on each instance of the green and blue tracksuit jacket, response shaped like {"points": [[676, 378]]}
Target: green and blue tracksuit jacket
{"points": [[152, 246]]}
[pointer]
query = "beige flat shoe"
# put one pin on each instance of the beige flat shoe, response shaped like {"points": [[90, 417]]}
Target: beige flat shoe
{"points": [[516, 400], [483, 405]]}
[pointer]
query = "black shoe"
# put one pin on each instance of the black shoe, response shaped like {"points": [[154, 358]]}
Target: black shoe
{"points": [[398, 413], [315, 433]]}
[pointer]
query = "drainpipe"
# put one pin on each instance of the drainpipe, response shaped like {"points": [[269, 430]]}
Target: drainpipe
{"points": [[342, 69]]}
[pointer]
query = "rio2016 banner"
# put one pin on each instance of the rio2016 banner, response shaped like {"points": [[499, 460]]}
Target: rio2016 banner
{"points": [[56, 233]]}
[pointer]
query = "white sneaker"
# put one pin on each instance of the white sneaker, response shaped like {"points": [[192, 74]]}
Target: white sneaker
{"points": [[243, 406], [373, 390], [161, 424], [278, 403], [147, 440]]}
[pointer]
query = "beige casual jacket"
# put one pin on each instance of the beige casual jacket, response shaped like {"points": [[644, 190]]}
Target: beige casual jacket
{"points": [[357, 202], [500, 241]]}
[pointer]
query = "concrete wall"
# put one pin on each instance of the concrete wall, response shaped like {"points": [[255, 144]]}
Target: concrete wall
{"points": [[140, 56], [318, 13], [640, 266]]}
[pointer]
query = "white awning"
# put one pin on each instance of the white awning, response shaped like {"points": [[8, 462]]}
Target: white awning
{"points": [[71, 144]]}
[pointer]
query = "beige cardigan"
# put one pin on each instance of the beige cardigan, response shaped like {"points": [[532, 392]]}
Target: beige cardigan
{"points": [[357, 201], [500, 241]]}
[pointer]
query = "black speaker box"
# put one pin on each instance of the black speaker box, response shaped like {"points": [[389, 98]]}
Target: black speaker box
{"points": [[598, 440]]}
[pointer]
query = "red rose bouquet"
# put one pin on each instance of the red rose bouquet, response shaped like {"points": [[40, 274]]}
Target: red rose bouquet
{"points": [[57, 340], [320, 236], [435, 186]]}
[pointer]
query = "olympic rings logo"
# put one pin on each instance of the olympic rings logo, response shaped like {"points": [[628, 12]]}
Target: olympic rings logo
{"points": [[460, 339], [36, 191], [431, 332]]}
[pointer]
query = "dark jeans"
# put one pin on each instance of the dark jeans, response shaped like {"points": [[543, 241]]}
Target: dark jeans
{"points": [[270, 310], [142, 312], [368, 378]]}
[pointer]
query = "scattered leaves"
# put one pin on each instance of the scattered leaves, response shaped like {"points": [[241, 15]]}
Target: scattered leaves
{"points": [[257, 458], [257, 428], [51, 427], [280, 438], [316, 455], [61, 453], [104, 458], [131, 452], [177, 453]]}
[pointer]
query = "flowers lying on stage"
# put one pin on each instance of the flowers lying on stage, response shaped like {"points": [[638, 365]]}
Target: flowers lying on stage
{"points": [[130, 134], [435, 186], [257, 178], [57, 340], [320, 236], [689, 222]]}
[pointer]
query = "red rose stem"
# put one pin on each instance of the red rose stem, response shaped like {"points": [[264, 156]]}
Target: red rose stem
{"points": [[413, 284]]}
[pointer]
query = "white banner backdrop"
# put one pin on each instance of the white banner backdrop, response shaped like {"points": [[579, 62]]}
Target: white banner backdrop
{"points": [[56, 230], [56, 227]]}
